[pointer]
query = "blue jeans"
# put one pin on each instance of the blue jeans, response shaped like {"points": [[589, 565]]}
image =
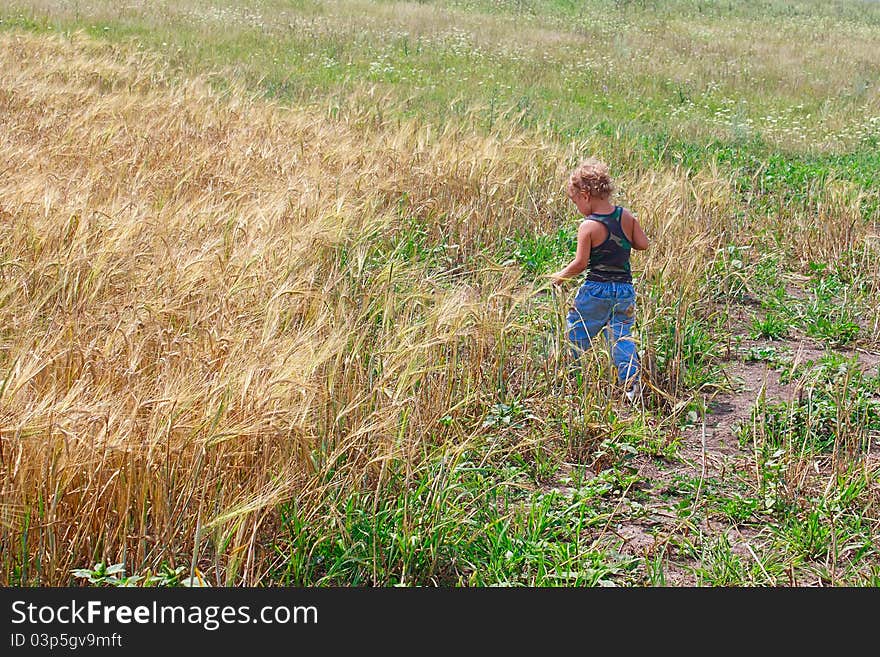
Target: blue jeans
{"points": [[612, 307]]}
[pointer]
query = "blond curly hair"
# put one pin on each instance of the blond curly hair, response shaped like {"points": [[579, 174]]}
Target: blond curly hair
{"points": [[592, 177]]}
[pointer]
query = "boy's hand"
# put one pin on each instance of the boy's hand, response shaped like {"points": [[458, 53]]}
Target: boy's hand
{"points": [[557, 280]]}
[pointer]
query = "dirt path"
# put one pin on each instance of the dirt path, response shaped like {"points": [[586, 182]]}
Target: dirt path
{"points": [[709, 454]]}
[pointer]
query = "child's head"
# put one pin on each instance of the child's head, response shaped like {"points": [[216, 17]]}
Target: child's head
{"points": [[590, 178]]}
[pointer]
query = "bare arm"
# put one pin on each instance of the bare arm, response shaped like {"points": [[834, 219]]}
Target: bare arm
{"points": [[581, 256], [637, 236]]}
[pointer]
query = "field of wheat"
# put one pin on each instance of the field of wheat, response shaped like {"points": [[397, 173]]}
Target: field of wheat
{"points": [[247, 339]]}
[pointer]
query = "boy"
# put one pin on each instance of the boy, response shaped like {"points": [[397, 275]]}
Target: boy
{"points": [[606, 300]]}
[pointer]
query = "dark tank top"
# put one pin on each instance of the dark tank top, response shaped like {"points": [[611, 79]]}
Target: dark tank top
{"points": [[610, 260]]}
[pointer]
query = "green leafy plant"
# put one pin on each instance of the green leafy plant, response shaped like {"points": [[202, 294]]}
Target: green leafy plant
{"points": [[114, 575], [103, 575], [512, 415], [771, 326], [774, 356]]}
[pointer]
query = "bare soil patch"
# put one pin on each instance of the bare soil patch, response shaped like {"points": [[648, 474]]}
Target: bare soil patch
{"points": [[710, 449]]}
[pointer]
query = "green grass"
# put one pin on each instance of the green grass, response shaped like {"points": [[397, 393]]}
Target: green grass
{"points": [[827, 303], [456, 523], [837, 409], [540, 253], [567, 69], [770, 326], [686, 342]]}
